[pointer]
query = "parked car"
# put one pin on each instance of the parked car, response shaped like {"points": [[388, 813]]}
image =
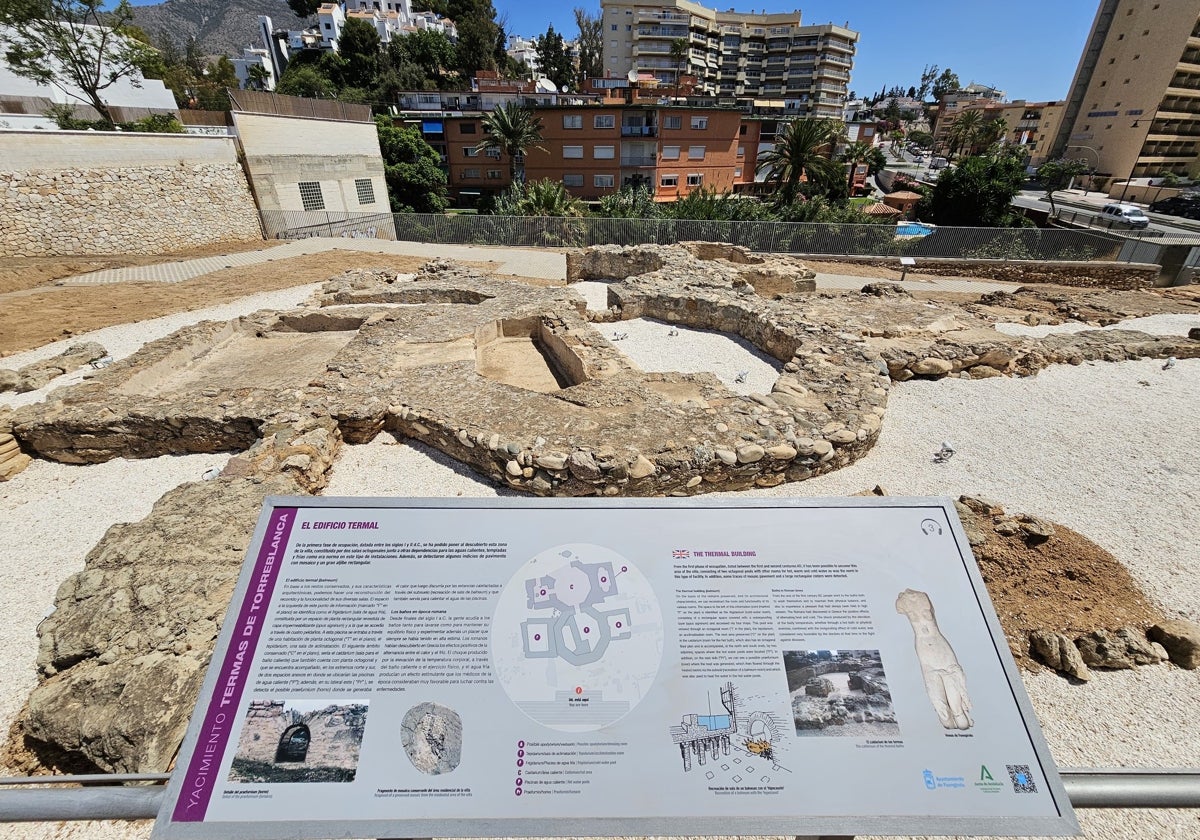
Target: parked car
{"points": [[939, 163], [1123, 215], [1186, 206]]}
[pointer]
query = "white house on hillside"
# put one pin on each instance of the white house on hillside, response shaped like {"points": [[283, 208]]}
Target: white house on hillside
{"points": [[23, 103]]}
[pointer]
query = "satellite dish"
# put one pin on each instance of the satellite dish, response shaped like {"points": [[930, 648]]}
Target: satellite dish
{"points": [[632, 75], [546, 86], [566, 88]]}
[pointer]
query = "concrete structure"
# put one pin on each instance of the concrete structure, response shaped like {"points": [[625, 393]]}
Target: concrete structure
{"points": [[99, 192], [1135, 100], [24, 102], [256, 57], [733, 54], [306, 164]]}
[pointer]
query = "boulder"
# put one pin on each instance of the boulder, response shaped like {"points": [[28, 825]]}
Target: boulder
{"points": [[1058, 652], [1181, 639], [818, 687], [1122, 649], [810, 713]]}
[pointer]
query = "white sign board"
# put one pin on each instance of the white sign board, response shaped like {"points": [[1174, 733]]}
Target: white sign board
{"points": [[417, 668]]}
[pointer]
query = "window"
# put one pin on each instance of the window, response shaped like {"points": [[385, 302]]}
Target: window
{"points": [[673, 121], [573, 179], [471, 173], [603, 152], [741, 151], [495, 174], [614, 27], [695, 153], [466, 128], [493, 152], [470, 151], [669, 181], [572, 121], [365, 190], [670, 153], [310, 195], [742, 130], [700, 123], [572, 151], [695, 179], [604, 121], [737, 172], [602, 180]]}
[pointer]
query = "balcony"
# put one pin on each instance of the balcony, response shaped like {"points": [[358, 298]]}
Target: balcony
{"points": [[662, 31], [639, 131], [645, 14], [837, 59], [638, 160]]}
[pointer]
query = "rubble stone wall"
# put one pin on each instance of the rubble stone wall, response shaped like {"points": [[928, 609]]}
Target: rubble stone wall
{"points": [[1098, 275], [70, 193]]}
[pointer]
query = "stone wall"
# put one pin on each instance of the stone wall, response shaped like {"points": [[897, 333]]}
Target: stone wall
{"points": [[1098, 275], [335, 732], [70, 193]]}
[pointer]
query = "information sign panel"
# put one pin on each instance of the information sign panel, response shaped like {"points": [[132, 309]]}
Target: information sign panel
{"points": [[416, 668]]}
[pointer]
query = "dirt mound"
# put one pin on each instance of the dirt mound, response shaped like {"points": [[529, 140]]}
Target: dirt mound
{"points": [[1063, 583]]}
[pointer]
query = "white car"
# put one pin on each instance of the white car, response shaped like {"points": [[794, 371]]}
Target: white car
{"points": [[1125, 215]]}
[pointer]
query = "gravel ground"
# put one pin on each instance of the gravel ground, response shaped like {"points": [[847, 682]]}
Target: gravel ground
{"points": [[1107, 449]]}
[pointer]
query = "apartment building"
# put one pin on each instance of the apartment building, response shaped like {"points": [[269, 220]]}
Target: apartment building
{"points": [[1134, 106], [596, 149], [733, 54], [1029, 125]]}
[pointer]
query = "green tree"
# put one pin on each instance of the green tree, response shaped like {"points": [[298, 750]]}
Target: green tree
{"points": [[1057, 174], [416, 182], [928, 76], [591, 45], [538, 198], [553, 60], [430, 51], [512, 129], [73, 45], [978, 192], [945, 83], [991, 133], [477, 36], [802, 150], [360, 46], [306, 80], [709, 205], [922, 138], [891, 113], [630, 202], [679, 57], [257, 77]]}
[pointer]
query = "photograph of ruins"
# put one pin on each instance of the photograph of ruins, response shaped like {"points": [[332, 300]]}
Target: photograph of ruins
{"points": [[300, 740], [840, 692]]}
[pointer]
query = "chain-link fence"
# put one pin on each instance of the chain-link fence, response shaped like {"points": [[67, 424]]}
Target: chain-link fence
{"points": [[906, 240]]}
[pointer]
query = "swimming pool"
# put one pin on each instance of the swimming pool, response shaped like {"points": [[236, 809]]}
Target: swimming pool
{"points": [[913, 229]]}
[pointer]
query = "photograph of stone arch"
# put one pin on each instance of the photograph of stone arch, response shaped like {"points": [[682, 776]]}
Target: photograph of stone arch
{"points": [[300, 740], [840, 692]]}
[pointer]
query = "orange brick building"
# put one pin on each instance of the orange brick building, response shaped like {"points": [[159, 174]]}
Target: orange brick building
{"points": [[596, 149]]}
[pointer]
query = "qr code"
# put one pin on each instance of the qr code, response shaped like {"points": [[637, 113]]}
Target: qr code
{"points": [[1021, 778]]}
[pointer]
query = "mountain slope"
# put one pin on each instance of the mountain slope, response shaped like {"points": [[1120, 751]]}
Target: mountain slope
{"points": [[220, 27]]}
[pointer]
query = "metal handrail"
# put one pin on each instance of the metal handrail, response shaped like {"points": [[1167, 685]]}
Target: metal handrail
{"points": [[1086, 787]]}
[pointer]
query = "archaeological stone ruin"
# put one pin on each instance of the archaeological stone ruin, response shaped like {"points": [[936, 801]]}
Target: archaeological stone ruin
{"points": [[520, 383]]}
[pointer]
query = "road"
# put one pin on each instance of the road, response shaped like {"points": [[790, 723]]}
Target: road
{"points": [[1035, 199]]}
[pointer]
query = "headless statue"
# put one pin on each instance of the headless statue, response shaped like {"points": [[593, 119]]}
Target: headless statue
{"points": [[944, 680]]}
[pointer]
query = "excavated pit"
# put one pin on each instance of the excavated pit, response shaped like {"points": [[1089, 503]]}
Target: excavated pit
{"points": [[526, 354]]}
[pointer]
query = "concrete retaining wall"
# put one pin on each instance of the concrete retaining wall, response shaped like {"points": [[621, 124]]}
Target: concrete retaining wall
{"points": [[69, 193]]}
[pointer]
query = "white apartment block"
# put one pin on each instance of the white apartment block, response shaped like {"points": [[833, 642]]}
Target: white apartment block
{"points": [[255, 57], [733, 54]]}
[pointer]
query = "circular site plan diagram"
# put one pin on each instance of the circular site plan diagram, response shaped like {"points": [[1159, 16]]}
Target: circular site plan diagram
{"points": [[577, 637]]}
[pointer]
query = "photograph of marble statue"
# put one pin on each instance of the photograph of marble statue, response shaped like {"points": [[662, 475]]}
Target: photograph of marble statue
{"points": [[945, 682]]}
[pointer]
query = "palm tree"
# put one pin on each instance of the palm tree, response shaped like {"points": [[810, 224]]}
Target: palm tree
{"points": [[257, 77], [856, 153], [512, 129], [992, 132], [802, 150], [964, 132], [679, 55]]}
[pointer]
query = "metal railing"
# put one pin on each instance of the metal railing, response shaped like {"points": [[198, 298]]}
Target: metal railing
{"points": [[863, 240], [1086, 788]]}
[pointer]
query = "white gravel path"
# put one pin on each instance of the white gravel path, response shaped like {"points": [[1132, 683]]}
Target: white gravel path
{"points": [[1108, 449]]}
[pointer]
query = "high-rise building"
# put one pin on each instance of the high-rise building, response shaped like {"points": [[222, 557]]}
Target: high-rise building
{"points": [[1134, 107], [732, 54]]}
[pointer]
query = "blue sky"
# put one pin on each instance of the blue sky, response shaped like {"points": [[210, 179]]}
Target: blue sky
{"points": [[1029, 48]]}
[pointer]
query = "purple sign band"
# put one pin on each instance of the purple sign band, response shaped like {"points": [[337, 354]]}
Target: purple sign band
{"points": [[210, 748]]}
